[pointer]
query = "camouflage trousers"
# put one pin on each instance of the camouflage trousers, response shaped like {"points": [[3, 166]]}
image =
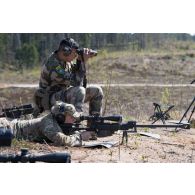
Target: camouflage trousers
{"points": [[79, 95], [45, 127]]}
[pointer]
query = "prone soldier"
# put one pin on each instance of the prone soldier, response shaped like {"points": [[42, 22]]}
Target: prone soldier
{"points": [[47, 127]]}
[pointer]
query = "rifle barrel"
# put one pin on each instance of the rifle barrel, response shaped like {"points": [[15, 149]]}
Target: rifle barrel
{"points": [[160, 125]]}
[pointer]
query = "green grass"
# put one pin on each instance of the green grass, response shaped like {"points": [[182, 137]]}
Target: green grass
{"points": [[27, 75], [21, 144], [121, 63]]}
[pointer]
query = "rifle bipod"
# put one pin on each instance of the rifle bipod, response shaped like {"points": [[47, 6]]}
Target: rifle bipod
{"points": [[125, 133], [125, 137]]}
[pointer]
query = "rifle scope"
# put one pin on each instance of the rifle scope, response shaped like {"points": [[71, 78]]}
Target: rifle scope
{"points": [[25, 156]]}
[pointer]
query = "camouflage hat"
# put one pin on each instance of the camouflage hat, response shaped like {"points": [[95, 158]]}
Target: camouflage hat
{"points": [[63, 108], [68, 42]]}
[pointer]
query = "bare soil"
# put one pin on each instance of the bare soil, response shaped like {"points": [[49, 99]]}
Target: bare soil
{"points": [[171, 148]]}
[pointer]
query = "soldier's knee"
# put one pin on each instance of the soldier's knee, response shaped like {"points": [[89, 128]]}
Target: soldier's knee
{"points": [[80, 93], [94, 93], [100, 93], [82, 90]]}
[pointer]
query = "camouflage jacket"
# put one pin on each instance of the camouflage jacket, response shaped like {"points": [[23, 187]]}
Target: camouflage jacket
{"points": [[57, 75]]}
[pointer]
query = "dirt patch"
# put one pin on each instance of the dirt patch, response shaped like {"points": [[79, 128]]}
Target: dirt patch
{"points": [[172, 148]]}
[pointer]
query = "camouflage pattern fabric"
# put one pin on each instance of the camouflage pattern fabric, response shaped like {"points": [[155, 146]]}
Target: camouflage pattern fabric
{"points": [[94, 95], [4, 122], [72, 95], [57, 75], [64, 81], [78, 95], [61, 108], [45, 126]]}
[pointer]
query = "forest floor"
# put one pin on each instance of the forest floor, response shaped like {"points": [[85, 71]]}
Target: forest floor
{"points": [[134, 103]]}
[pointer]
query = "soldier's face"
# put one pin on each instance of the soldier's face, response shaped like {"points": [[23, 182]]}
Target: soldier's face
{"points": [[69, 118], [71, 57]]}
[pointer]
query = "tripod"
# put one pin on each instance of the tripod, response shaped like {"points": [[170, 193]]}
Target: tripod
{"points": [[159, 114]]}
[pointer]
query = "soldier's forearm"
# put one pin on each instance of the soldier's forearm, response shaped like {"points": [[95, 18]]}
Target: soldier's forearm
{"points": [[80, 66]]}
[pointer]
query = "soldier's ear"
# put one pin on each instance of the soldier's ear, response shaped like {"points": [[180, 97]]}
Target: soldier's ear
{"points": [[60, 118]]}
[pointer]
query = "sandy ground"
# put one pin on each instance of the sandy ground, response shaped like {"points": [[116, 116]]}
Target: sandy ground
{"points": [[172, 147]]}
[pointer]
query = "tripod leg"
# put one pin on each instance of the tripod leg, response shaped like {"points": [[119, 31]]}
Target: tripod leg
{"points": [[161, 115], [184, 115], [187, 110], [191, 114]]}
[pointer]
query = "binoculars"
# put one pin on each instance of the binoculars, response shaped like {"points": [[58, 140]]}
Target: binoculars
{"points": [[92, 52]]}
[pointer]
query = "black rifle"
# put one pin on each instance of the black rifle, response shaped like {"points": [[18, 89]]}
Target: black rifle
{"points": [[106, 126], [25, 156], [17, 111]]}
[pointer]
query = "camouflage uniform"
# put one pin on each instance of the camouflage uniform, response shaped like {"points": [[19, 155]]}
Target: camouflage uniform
{"points": [[45, 127], [63, 82]]}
